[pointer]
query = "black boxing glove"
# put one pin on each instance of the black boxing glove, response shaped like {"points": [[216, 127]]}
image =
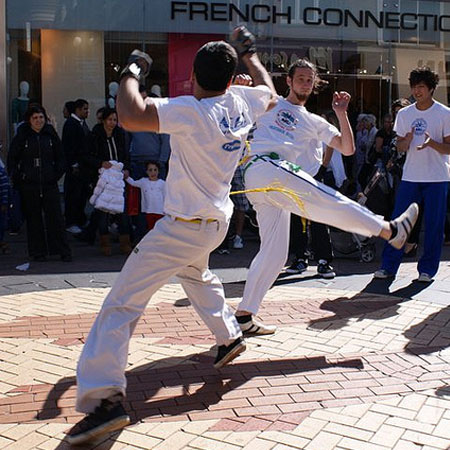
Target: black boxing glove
{"points": [[138, 66], [243, 41]]}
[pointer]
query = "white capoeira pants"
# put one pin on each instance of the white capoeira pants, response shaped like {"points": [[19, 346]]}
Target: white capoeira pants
{"points": [[172, 248], [320, 204]]}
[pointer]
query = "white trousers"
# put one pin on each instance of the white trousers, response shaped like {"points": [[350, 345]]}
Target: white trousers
{"points": [[172, 248], [320, 204]]}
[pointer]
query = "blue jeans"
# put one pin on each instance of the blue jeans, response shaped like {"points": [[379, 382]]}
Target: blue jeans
{"points": [[433, 196]]}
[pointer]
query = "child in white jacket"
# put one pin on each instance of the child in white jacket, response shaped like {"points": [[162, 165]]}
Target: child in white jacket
{"points": [[152, 194]]}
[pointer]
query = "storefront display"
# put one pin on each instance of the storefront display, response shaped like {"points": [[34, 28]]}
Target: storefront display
{"points": [[66, 50]]}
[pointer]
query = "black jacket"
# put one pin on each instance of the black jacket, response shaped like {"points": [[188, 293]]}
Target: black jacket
{"points": [[74, 141], [35, 158], [101, 148]]}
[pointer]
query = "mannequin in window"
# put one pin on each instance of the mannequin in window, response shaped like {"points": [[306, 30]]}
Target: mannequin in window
{"points": [[20, 103], [113, 88]]}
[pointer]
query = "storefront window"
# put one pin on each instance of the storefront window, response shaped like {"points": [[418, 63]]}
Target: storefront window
{"points": [[67, 50]]}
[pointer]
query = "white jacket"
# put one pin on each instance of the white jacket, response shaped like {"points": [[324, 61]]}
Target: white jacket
{"points": [[108, 194]]}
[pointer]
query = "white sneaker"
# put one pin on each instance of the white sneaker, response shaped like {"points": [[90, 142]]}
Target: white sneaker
{"points": [[425, 278], [238, 242], [74, 229], [254, 327], [382, 274], [404, 224]]}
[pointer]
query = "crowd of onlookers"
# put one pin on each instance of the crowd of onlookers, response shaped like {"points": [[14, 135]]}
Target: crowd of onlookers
{"points": [[114, 182]]}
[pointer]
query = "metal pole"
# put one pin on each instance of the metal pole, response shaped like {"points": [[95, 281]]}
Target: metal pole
{"points": [[4, 123]]}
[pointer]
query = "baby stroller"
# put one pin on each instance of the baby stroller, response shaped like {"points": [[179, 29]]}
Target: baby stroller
{"points": [[378, 196]]}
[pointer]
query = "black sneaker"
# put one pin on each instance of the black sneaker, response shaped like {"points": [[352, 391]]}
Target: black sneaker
{"points": [[325, 270], [108, 417], [226, 353], [298, 266]]}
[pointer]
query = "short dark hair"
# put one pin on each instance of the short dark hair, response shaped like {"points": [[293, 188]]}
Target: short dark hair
{"points": [[70, 106], [142, 88], [214, 65], [79, 103], [35, 108], [100, 110], [303, 63], [424, 75], [155, 163], [107, 112]]}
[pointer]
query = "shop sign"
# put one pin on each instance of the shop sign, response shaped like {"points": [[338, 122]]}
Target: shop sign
{"points": [[333, 17]]}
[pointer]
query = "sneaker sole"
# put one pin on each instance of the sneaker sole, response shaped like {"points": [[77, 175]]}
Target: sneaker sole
{"points": [[113, 425], [231, 355]]}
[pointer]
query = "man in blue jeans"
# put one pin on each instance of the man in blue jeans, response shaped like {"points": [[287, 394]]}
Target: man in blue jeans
{"points": [[423, 131]]}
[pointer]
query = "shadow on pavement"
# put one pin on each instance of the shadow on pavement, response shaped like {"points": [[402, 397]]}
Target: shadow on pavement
{"points": [[431, 335], [192, 387], [383, 306]]}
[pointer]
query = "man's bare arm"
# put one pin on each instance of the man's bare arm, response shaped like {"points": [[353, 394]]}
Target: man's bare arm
{"points": [[134, 113], [328, 154], [403, 142], [345, 143], [441, 147], [260, 76], [244, 43]]}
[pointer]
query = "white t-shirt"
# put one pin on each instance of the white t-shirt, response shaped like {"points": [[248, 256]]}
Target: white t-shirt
{"points": [[207, 139], [295, 134], [425, 165], [152, 194]]}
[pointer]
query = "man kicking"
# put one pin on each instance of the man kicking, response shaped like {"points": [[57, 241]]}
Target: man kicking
{"points": [[208, 132], [286, 133]]}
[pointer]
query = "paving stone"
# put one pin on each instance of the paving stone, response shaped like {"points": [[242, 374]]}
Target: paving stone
{"points": [[355, 359]]}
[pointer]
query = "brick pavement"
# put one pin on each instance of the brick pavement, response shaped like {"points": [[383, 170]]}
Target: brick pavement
{"points": [[346, 370]]}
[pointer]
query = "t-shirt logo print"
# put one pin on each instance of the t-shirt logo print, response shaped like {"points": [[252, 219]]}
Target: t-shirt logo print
{"points": [[227, 127], [420, 126], [286, 120]]}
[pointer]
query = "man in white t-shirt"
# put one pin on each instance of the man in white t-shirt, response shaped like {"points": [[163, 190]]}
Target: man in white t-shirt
{"points": [[208, 132], [286, 133], [423, 132]]}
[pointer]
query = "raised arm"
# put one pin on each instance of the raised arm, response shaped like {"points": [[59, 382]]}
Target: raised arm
{"points": [[134, 113], [345, 143], [244, 43]]}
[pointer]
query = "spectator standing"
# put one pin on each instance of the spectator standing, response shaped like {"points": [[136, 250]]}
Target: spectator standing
{"points": [[423, 132], [367, 143], [36, 163], [383, 141], [152, 194], [148, 146], [107, 143], [76, 183], [69, 108], [4, 206]]}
